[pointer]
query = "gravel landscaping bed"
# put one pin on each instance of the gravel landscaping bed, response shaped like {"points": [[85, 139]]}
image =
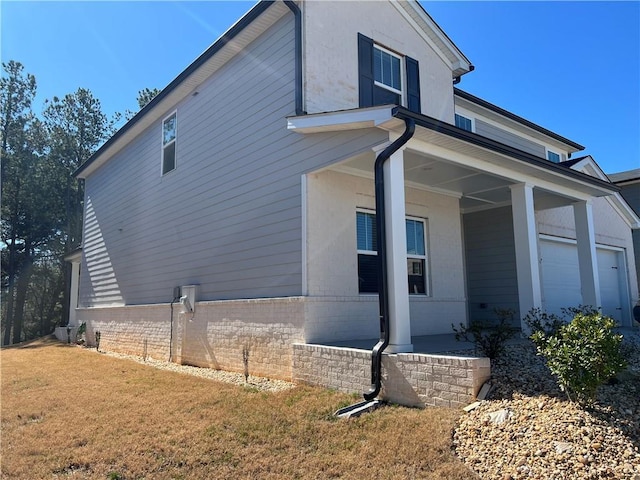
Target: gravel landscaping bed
{"points": [[527, 429], [259, 383]]}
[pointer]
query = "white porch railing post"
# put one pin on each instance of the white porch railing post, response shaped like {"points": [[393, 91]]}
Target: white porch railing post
{"points": [[587, 257], [399, 317], [526, 244]]}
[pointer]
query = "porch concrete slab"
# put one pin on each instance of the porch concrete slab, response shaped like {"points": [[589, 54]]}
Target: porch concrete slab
{"points": [[429, 344], [432, 344]]}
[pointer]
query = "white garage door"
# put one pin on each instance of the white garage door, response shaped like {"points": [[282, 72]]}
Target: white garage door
{"points": [[561, 278]]}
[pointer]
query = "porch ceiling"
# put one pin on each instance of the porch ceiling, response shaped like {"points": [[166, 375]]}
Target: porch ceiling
{"points": [[443, 158], [477, 189]]}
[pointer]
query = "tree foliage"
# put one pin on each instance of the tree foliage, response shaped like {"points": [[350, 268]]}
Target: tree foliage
{"points": [[41, 201], [146, 95]]}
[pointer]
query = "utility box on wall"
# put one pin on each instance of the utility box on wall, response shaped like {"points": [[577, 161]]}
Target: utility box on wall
{"points": [[188, 298]]}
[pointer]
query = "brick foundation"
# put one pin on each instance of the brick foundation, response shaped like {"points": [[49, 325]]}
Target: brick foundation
{"points": [[273, 332], [410, 379]]}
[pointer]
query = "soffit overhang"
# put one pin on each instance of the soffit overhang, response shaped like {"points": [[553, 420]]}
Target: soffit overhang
{"points": [[588, 165], [511, 120], [417, 16], [247, 29], [442, 157]]}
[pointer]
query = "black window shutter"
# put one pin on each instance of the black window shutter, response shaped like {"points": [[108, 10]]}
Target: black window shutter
{"points": [[413, 85], [365, 70]]}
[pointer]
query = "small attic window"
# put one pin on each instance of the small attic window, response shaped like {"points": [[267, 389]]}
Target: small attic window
{"points": [[553, 156], [169, 133], [464, 123]]}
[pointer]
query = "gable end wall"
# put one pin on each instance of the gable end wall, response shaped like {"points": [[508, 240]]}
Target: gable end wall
{"points": [[229, 217]]}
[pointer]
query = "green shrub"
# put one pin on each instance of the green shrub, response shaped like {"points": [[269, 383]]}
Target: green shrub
{"points": [[549, 323], [490, 339], [540, 321], [582, 354]]}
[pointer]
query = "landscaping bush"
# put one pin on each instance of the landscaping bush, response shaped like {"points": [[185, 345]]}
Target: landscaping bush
{"points": [[490, 339], [549, 323], [540, 321], [582, 354]]}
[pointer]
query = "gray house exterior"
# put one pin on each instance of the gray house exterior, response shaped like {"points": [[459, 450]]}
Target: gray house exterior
{"points": [[249, 181], [629, 183]]}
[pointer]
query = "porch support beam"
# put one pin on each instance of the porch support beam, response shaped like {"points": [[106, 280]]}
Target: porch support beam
{"points": [[587, 256], [526, 245], [396, 237]]}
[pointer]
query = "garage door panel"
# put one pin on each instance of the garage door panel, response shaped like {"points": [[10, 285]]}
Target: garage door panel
{"points": [[609, 273], [560, 274]]}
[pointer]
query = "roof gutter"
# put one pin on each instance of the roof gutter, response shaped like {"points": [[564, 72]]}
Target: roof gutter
{"points": [[228, 36], [298, 53], [383, 287], [445, 128], [516, 118]]}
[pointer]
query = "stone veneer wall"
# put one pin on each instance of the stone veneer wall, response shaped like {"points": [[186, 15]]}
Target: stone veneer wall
{"points": [[411, 379], [213, 336]]}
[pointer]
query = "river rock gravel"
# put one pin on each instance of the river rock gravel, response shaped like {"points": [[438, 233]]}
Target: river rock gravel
{"points": [[527, 429], [259, 383]]}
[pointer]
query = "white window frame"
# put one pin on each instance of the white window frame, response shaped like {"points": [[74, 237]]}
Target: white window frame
{"points": [[421, 257], [427, 282], [471, 119], [548, 151], [403, 81], [163, 145]]}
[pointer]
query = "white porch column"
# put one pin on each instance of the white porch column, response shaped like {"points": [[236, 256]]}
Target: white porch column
{"points": [[73, 294], [587, 258], [526, 243], [399, 319]]}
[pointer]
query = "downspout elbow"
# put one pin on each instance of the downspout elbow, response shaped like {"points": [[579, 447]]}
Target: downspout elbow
{"points": [[383, 290]]}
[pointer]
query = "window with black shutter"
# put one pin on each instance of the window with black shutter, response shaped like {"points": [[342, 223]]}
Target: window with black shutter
{"points": [[386, 77]]}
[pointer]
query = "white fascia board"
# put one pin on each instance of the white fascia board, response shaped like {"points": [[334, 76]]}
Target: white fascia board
{"points": [[437, 39], [589, 166], [342, 120], [509, 125]]}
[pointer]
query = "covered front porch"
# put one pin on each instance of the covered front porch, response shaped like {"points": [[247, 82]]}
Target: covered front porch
{"points": [[442, 174]]}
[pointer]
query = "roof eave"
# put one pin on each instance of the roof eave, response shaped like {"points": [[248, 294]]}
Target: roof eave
{"points": [[516, 118], [391, 117], [161, 102]]}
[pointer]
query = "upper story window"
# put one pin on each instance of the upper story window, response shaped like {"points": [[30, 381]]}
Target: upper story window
{"points": [[387, 70], [464, 123], [368, 252], [386, 77], [169, 134], [553, 156]]}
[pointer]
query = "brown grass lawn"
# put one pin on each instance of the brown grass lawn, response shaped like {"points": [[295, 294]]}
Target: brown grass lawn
{"points": [[68, 412]]}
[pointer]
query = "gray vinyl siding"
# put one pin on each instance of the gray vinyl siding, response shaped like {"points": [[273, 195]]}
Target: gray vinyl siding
{"points": [[229, 217], [490, 263], [508, 138], [631, 193]]}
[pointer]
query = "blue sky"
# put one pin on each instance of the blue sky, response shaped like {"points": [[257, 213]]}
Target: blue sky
{"points": [[572, 67]]}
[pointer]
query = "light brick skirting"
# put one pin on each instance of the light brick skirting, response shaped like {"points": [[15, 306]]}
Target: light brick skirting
{"points": [[213, 336], [411, 379], [272, 330]]}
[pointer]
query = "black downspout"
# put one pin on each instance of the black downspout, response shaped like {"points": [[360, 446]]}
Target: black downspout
{"points": [[383, 290], [298, 53]]}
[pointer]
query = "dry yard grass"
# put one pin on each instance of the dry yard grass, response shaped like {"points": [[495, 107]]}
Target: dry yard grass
{"points": [[68, 412]]}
